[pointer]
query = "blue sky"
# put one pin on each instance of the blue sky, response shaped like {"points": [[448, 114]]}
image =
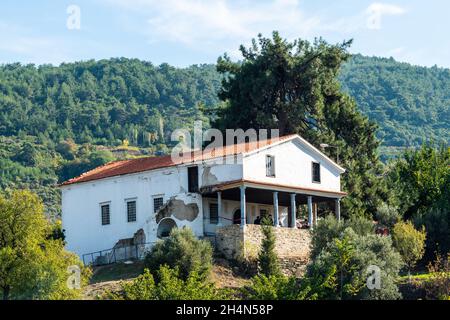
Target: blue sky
{"points": [[198, 31]]}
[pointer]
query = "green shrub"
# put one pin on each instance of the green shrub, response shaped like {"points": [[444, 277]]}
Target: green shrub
{"points": [[340, 270], [267, 258], [361, 225], [330, 228], [437, 224], [409, 242], [276, 287], [438, 286], [326, 230], [387, 216], [181, 250], [170, 286]]}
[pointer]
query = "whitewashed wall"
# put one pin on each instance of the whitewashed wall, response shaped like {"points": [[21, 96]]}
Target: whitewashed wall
{"points": [[81, 207], [292, 167]]}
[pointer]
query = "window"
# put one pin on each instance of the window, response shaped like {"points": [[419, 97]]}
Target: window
{"points": [[106, 216], [131, 211], [157, 203], [270, 166], [193, 179], [213, 213], [316, 172]]}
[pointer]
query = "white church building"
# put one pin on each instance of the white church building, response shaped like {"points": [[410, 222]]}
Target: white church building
{"points": [[140, 200]]}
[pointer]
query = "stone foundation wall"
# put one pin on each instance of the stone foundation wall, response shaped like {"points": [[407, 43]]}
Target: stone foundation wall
{"points": [[292, 245]]}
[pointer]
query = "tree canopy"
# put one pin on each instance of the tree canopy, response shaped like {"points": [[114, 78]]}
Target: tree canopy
{"points": [[293, 87]]}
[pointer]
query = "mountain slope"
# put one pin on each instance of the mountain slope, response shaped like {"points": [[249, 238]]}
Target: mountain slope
{"points": [[411, 104]]}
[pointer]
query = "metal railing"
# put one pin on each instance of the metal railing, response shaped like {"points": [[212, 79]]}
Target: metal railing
{"points": [[117, 254]]}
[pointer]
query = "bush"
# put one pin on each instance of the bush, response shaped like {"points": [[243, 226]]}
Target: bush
{"points": [[361, 225], [438, 286], [409, 242], [181, 250], [330, 228], [340, 270], [267, 258], [326, 230], [437, 224], [387, 216], [170, 286], [276, 287]]}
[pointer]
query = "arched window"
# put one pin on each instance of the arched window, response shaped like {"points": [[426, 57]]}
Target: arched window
{"points": [[165, 226]]}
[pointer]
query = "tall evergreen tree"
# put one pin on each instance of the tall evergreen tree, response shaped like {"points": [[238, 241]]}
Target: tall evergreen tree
{"points": [[293, 87], [267, 258]]}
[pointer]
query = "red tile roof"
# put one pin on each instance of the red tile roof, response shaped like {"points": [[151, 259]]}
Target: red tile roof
{"points": [[122, 167]]}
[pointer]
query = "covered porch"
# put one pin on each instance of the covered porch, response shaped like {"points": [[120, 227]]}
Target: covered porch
{"points": [[279, 203]]}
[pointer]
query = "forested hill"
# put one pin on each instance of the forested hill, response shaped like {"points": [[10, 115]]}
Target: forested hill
{"points": [[106, 101], [57, 122], [103, 102], [411, 104], [111, 100]]}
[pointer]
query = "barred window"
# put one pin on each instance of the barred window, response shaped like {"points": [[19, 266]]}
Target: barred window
{"points": [[157, 203], [106, 216], [131, 211], [316, 172], [213, 213], [270, 166]]}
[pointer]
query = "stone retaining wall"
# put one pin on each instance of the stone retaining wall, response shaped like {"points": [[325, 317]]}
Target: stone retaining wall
{"points": [[243, 244]]}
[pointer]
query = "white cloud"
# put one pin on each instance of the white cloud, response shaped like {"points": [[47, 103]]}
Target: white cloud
{"points": [[377, 10], [208, 22]]}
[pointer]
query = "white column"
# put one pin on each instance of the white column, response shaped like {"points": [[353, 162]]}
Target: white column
{"points": [[219, 208], [337, 208], [275, 209], [310, 212], [243, 205], [293, 209]]}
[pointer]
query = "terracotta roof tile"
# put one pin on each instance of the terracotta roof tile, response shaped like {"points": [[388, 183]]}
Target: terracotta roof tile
{"points": [[122, 167]]}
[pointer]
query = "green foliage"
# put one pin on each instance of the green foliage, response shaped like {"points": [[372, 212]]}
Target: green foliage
{"points": [[32, 264], [170, 286], [276, 287], [438, 286], [83, 161], [330, 228], [409, 242], [340, 270], [17, 173], [103, 101], [419, 178], [409, 103], [387, 215], [420, 184], [293, 86], [267, 257], [181, 250]]}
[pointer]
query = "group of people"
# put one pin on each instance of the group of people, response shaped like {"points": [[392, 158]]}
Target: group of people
{"points": [[298, 222]]}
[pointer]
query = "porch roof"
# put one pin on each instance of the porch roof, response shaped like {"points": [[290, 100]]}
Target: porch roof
{"points": [[273, 187]]}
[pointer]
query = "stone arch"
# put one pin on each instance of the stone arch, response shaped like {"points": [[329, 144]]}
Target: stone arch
{"points": [[165, 226]]}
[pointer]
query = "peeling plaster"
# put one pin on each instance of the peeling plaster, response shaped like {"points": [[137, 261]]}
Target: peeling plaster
{"points": [[178, 209]]}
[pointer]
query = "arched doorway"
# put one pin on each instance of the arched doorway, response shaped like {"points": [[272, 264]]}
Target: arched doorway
{"points": [[165, 226], [237, 216]]}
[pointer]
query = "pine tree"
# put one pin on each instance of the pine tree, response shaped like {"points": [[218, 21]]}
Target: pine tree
{"points": [[293, 87]]}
